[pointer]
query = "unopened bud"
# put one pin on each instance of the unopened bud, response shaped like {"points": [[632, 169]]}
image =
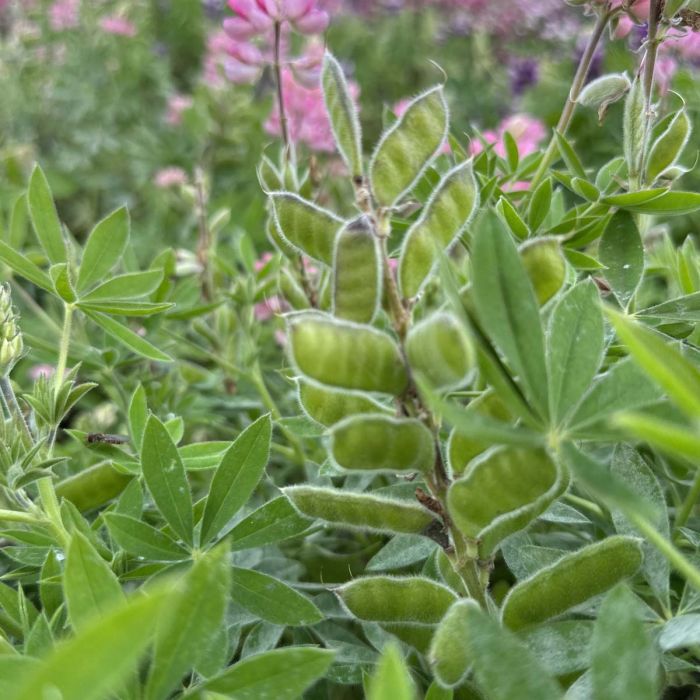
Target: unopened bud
{"points": [[11, 345]]}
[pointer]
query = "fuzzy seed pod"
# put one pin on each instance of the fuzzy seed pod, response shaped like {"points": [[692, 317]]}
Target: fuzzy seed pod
{"points": [[545, 265], [439, 349], [357, 272], [668, 147], [346, 355], [449, 651], [408, 147], [382, 443], [571, 580], [328, 406], [397, 599], [359, 511]]}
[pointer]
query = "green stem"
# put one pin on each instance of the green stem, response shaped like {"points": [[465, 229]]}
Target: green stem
{"points": [[49, 503], [15, 411], [277, 67], [675, 558], [652, 46], [466, 565], [63, 348], [577, 85], [18, 516], [689, 503]]}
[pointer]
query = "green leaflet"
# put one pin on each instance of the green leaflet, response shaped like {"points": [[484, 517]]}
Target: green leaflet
{"points": [[571, 580], [449, 649], [444, 218], [90, 587], [304, 226], [440, 351], [283, 674], [164, 474], [272, 600], [396, 599], [507, 307], [360, 511], [392, 678], [143, 540], [634, 128], [504, 667], [503, 493], [545, 266], [408, 147], [624, 662], [236, 476], [104, 248], [346, 355], [42, 212], [357, 272], [382, 443], [328, 406], [343, 114], [668, 146], [186, 625], [574, 348], [622, 252]]}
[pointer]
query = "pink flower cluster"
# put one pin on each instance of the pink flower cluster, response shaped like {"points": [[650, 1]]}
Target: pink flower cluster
{"points": [[119, 26], [527, 131], [257, 17], [64, 14]]}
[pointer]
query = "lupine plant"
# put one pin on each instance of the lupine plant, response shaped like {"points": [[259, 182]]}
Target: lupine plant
{"points": [[473, 476]]}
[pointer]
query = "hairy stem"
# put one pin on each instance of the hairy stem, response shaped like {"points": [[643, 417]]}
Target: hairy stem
{"points": [[277, 67], [652, 46], [63, 348], [577, 85], [205, 238], [14, 410]]}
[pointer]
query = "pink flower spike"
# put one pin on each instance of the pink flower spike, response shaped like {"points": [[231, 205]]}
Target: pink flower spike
{"points": [[240, 73], [239, 28], [296, 9], [119, 26], [314, 22]]}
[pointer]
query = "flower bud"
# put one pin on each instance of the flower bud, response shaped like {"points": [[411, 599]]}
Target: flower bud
{"points": [[545, 266], [11, 345]]}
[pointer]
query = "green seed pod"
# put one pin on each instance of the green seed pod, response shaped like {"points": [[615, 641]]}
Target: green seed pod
{"points": [[449, 655], [279, 243], [11, 343], [408, 146], [357, 272], [439, 349], [269, 176], [416, 636], [381, 443], [291, 290], [571, 580], [328, 407], [668, 146], [346, 355], [93, 487], [461, 449], [545, 265], [634, 128], [359, 511], [502, 493], [343, 114], [442, 221], [397, 599], [307, 228], [604, 91]]}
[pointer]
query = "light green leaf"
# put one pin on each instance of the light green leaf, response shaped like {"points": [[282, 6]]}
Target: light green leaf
{"points": [[143, 540], [129, 286], [104, 248], [507, 308], [189, 622], [42, 211], [574, 348], [271, 599], [622, 253], [164, 474], [90, 586], [624, 663], [138, 415], [24, 267], [392, 678], [283, 674], [669, 437], [236, 477]]}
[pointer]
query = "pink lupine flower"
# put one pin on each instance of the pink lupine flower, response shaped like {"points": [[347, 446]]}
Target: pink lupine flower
{"points": [[119, 26], [170, 177], [272, 306], [64, 14], [256, 17], [260, 263], [44, 370], [527, 131], [177, 105]]}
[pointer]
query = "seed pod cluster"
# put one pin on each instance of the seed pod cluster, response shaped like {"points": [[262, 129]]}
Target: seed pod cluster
{"points": [[329, 406]]}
